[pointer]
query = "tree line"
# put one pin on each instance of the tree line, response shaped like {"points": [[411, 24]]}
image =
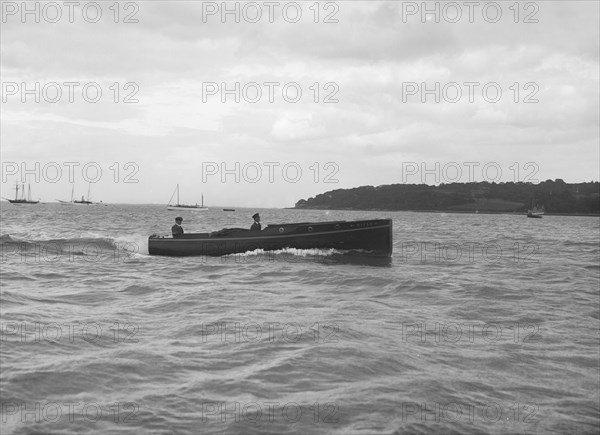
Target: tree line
{"points": [[555, 196]]}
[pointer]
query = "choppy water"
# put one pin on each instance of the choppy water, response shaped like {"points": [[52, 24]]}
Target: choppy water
{"points": [[478, 324]]}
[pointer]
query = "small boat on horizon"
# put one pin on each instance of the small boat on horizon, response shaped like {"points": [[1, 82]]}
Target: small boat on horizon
{"points": [[371, 237], [536, 212], [73, 201], [185, 207], [229, 209], [22, 199]]}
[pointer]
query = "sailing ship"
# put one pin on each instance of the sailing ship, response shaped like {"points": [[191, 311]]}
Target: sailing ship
{"points": [[73, 201], [179, 206], [22, 200]]}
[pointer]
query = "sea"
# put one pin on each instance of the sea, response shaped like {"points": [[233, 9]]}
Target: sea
{"points": [[478, 323]]}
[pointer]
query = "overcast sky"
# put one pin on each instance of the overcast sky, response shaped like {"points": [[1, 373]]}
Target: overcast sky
{"points": [[374, 68]]}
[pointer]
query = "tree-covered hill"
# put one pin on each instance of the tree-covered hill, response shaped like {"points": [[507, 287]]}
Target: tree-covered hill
{"points": [[556, 197]]}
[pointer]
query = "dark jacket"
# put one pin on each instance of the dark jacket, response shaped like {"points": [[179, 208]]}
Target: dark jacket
{"points": [[177, 230], [255, 226]]}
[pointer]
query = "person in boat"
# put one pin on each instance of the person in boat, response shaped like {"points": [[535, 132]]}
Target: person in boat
{"points": [[177, 229], [256, 224]]}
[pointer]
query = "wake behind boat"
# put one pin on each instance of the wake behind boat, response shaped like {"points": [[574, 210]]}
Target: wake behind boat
{"points": [[374, 237], [179, 206]]}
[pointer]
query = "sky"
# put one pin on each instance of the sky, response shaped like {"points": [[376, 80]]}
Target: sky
{"points": [[261, 104]]}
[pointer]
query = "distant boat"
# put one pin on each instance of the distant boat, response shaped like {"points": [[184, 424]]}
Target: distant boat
{"points": [[22, 199], [535, 211], [186, 207], [229, 209], [81, 201]]}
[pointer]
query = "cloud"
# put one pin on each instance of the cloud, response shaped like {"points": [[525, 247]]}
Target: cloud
{"points": [[364, 65]]}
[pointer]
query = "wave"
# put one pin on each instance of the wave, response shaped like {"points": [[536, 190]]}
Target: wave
{"points": [[325, 256], [313, 252], [75, 246]]}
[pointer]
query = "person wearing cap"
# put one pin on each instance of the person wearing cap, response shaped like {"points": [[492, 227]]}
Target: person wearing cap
{"points": [[256, 224], [176, 229]]}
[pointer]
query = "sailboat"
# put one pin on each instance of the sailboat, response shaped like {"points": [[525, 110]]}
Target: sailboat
{"points": [[83, 200], [535, 211], [77, 201], [179, 206], [22, 199], [68, 202]]}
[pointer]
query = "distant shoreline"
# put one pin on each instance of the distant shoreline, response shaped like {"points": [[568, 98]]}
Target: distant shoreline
{"points": [[556, 197], [517, 213]]}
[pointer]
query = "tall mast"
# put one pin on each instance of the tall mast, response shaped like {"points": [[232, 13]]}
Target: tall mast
{"points": [[28, 192], [17, 190], [89, 185], [23, 191], [202, 200], [72, 191], [178, 194]]}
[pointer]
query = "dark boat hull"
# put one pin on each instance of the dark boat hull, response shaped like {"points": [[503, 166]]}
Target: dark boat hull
{"points": [[22, 201], [374, 237]]}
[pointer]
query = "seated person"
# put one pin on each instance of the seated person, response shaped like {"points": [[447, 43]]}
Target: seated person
{"points": [[256, 224], [176, 229]]}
